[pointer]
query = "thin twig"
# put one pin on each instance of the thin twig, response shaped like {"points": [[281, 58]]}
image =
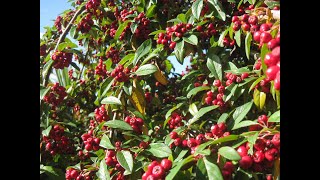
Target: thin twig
{"points": [[63, 35]]}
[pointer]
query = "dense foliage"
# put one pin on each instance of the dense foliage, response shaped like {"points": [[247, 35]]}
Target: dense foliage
{"points": [[113, 107]]}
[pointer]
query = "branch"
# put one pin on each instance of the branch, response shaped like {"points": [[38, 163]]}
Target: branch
{"points": [[63, 35]]}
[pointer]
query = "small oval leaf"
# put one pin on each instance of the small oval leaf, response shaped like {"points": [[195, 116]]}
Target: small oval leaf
{"points": [[118, 124], [229, 153]]}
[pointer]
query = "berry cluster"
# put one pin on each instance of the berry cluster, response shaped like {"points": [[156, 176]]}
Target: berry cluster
{"points": [[272, 60], [112, 161], [246, 22], [70, 74], [178, 30], [265, 152], [57, 142], [157, 171], [91, 142], [123, 14], [227, 170], [58, 23], [175, 121], [56, 96], [263, 122], [135, 123], [101, 69], [114, 55], [208, 32], [92, 5], [61, 59], [227, 42], [219, 130], [85, 24], [231, 78], [101, 113], [241, 10], [74, 174], [120, 73], [142, 30]]}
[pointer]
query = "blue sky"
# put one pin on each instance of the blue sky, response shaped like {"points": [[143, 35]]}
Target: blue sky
{"points": [[50, 9]]}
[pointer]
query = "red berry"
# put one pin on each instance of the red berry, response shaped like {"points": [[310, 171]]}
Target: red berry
{"points": [[219, 96], [245, 26], [272, 72], [272, 43], [236, 26], [244, 75], [276, 140], [209, 93], [189, 26], [217, 83], [221, 89], [177, 141], [253, 20], [199, 28], [174, 135], [184, 143], [228, 166], [271, 154], [215, 130], [200, 139], [242, 150], [143, 145], [264, 27], [258, 156], [161, 35], [145, 176], [276, 52], [166, 164], [235, 18], [265, 37], [260, 145], [157, 172], [263, 120], [222, 126], [191, 142], [245, 162], [172, 45], [256, 36], [208, 100], [270, 60], [245, 17]]}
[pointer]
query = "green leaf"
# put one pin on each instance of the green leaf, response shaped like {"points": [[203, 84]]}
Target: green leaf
{"points": [[194, 91], [181, 155], [53, 173], [103, 172], [222, 35], [232, 66], [179, 51], [275, 117], [146, 70], [173, 172], [244, 124], [133, 27], [192, 39], [241, 112], [193, 109], [126, 58], [196, 8], [182, 17], [214, 65], [111, 100], [105, 142], [153, 54], [219, 9], [43, 91], [212, 142], [159, 150], [262, 99], [229, 153], [223, 117], [248, 44], [264, 51], [200, 113], [252, 140], [213, 170], [142, 50], [168, 65], [46, 131], [232, 91], [256, 82], [125, 159], [157, 32], [151, 11], [201, 169], [118, 124], [237, 37], [120, 29], [190, 74]]}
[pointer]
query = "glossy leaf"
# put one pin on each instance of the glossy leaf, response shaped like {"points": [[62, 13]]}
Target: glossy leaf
{"points": [[159, 150], [142, 50], [111, 100], [118, 124], [146, 70], [200, 113], [125, 160], [105, 142], [248, 44], [229, 153], [275, 117], [196, 8], [194, 91], [213, 170], [103, 172]]}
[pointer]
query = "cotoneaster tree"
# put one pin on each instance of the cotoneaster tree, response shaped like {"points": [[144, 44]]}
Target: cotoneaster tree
{"points": [[113, 107]]}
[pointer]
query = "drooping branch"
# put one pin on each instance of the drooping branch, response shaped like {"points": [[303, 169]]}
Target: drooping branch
{"points": [[62, 37]]}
